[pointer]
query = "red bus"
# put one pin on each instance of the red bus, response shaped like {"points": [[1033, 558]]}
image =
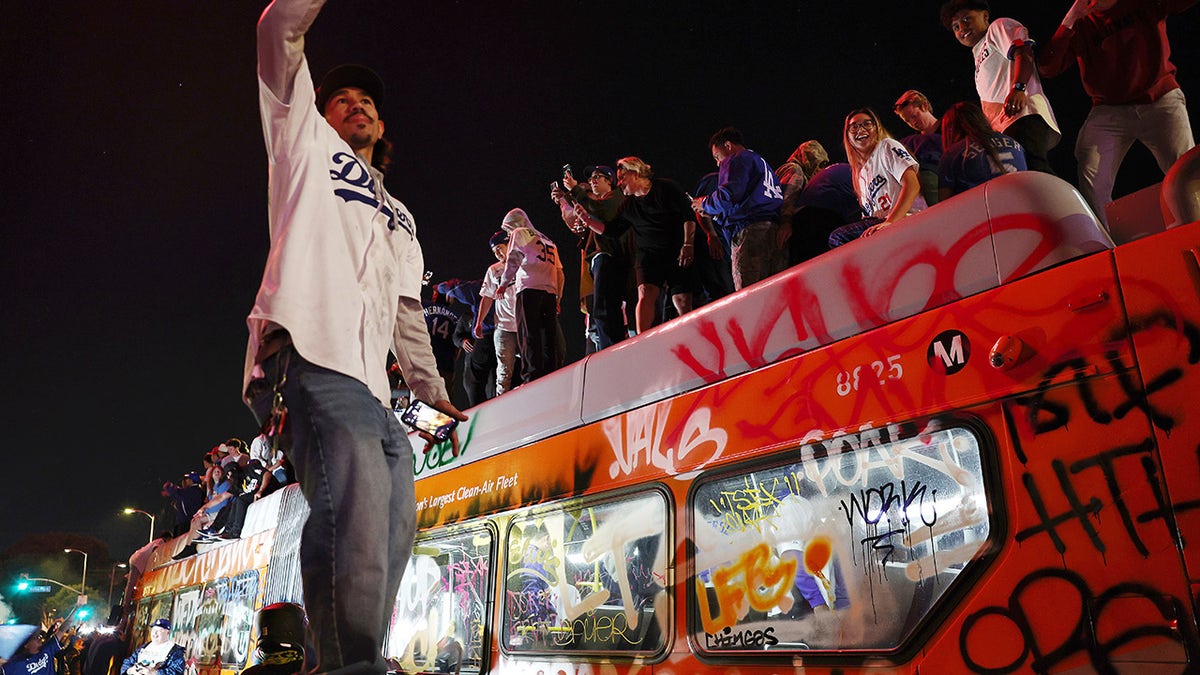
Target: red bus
{"points": [[963, 445]]}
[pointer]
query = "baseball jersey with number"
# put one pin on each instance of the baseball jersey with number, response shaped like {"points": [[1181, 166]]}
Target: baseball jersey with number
{"points": [[879, 178], [532, 258]]}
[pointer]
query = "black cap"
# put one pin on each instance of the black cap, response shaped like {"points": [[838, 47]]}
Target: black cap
{"points": [[350, 75], [605, 171], [500, 237]]}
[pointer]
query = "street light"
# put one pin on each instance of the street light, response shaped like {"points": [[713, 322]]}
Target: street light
{"points": [[83, 581], [148, 515], [112, 575]]}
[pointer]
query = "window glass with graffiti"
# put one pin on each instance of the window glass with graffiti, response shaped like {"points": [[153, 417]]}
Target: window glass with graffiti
{"points": [[210, 614], [183, 620], [239, 618], [588, 577], [849, 548], [439, 619], [141, 621]]}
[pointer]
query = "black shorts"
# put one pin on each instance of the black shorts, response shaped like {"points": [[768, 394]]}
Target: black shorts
{"points": [[661, 268]]}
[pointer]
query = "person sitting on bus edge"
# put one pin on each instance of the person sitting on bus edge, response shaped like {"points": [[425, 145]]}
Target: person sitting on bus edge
{"points": [[534, 268], [505, 303], [885, 177], [277, 471], [792, 174], [926, 145], [827, 202], [234, 454], [222, 492], [1006, 78], [159, 656], [605, 258], [975, 153], [664, 230], [745, 206], [36, 656], [1124, 60]]}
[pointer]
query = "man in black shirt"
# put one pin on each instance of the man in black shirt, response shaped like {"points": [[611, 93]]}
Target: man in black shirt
{"points": [[664, 229]]}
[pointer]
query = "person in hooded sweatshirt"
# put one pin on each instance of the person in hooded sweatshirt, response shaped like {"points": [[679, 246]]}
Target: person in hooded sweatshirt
{"points": [[534, 269]]}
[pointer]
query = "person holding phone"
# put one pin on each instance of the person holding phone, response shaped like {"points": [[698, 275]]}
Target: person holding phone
{"points": [[342, 287]]}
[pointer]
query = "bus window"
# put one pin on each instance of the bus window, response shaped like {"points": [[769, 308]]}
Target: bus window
{"points": [[141, 621], [183, 621], [588, 577], [239, 618], [210, 614], [439, 623], [848, 549]]}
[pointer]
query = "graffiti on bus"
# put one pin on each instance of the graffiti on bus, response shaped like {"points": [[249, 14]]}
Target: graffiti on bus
{"points": [[1103, 503]]}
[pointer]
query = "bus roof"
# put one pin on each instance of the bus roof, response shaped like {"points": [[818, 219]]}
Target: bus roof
{"points": [[1006, 229]]}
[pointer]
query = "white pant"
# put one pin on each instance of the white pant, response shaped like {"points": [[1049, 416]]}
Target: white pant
{"points": [[1110, 130], [506, 359]]}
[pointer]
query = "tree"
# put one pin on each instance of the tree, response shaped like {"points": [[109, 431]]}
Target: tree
{"points": [[41, 555]]}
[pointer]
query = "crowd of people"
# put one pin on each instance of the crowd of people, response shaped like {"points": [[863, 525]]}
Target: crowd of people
{"points": [[211, 504], [61, 649], [638, 232]]}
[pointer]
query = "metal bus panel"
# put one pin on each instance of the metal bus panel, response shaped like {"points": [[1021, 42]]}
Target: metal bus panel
{"points": [[1161, 288]]}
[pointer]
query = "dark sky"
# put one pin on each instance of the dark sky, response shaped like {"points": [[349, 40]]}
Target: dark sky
{"points": [[134, 189]]}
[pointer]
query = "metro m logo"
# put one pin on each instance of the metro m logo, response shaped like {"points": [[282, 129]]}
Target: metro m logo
{"points": [[949, 352]]}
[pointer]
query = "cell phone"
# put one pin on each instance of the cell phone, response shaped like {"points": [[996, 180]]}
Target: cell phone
{"points": [[423, 417], [567, 170]]}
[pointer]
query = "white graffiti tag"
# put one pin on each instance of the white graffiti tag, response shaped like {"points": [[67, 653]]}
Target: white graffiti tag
{"points": [[637, 437]]}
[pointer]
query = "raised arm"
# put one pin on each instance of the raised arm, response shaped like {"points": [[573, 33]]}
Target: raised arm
{"points": [[281, 30]]}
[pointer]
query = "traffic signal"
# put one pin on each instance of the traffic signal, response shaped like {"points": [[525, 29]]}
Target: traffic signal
{"points": [[22, 585], [83, 613]]}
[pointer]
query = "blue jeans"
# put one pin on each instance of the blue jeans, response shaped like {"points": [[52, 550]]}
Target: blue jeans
{"points": [[848, 233], [355, 467]]}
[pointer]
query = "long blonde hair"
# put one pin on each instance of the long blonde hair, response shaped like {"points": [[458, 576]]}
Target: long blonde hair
{"points": [[857, 159]]}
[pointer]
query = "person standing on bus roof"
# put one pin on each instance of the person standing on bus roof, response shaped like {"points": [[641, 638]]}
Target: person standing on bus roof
{"points": [[1125, 64], [342, 285], [534, 268], [745, 206], [1006, 77]]}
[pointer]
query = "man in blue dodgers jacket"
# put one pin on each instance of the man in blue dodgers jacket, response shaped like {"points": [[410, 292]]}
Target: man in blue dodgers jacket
{"points": [[746, 207], [341, 287]]}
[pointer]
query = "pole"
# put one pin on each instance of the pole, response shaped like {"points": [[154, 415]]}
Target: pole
{"points": [[83, 579], [112, 575], [129, 510]]}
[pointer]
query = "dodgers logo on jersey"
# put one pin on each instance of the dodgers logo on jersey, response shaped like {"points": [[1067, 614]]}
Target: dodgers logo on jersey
{"points": [[873, 194], [349, 170]]}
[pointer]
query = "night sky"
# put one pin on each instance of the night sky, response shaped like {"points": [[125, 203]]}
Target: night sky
{"points": [[134, 191]]}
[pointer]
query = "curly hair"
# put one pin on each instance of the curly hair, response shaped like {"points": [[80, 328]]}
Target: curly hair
{"points": [[955, 6]]}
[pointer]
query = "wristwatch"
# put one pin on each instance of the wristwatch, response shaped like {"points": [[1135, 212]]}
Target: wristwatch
{"points": [[1019, 86]]}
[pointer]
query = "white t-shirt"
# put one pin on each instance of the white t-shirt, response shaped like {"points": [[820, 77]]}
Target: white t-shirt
{"points": [[993, 76], [879, 178], [154, 653], [506, 303], [260, 449]]}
